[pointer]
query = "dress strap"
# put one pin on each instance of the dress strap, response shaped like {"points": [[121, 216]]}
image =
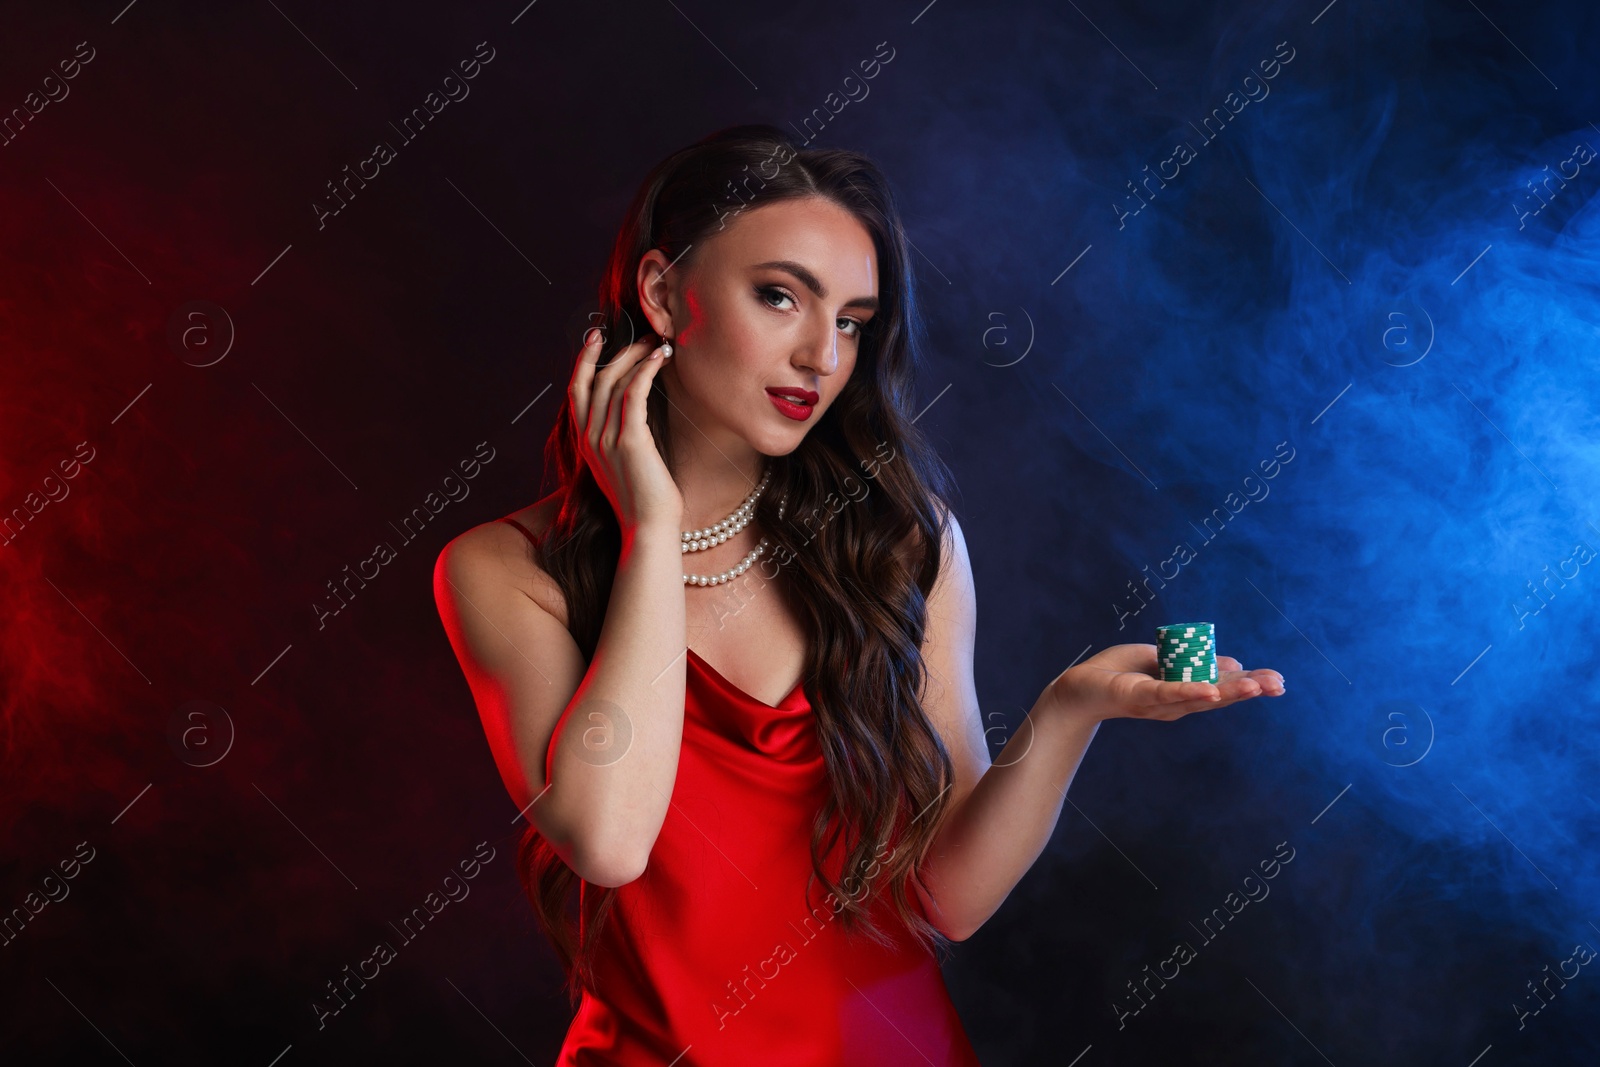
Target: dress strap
{"points": [[525, 531]]}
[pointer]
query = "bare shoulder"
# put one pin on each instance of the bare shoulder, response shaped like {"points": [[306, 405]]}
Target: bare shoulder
{"points": [[913, 549], [507, 625], [955, 565], [497, 552]]}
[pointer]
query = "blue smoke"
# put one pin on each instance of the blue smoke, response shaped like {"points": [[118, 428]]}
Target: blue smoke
{"points": [[1381, 259]]}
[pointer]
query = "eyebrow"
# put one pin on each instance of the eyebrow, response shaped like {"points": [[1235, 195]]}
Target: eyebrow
{"points": [[811, 282]]}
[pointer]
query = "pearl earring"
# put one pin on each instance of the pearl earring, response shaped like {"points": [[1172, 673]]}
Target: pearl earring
{"points": [[666, 348]]}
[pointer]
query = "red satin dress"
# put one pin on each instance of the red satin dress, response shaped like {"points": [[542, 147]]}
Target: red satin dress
{"points": [[714, 956]]}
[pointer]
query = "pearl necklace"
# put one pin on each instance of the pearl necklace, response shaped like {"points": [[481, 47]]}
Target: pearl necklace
{"points": [[711, 536]]}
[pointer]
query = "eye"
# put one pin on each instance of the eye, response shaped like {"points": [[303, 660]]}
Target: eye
{"points": [[764, 292]]}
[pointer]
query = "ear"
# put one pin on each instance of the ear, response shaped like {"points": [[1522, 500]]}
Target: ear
{"points": [[658, 292]]}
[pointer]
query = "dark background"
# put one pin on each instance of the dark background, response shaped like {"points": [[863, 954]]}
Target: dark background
{"points": [[1352, 267]]}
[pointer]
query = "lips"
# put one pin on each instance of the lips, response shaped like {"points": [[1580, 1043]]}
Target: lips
{"points": [[798, 396], [792, 403]]}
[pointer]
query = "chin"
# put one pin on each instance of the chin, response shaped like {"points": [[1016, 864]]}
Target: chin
{"points": [[779, 446]]}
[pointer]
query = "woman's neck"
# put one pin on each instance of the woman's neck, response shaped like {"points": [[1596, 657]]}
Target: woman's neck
{"points": [[713, 490]]}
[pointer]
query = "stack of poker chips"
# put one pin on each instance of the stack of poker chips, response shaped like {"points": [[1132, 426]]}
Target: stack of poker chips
{"points": [[1187, 652]]}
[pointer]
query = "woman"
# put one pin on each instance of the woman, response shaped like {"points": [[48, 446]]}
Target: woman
{"points": [[725, 668]]}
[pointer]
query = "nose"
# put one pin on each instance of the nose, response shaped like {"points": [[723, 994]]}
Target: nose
{"points": [[820, 354]]}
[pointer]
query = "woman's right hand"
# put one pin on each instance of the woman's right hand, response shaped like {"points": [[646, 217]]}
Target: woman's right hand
{"points": [[608, 406]]}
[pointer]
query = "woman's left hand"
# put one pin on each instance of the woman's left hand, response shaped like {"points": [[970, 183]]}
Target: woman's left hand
{"points": [[1123, 682]]}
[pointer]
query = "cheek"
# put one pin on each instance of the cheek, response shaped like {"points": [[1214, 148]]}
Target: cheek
{"points": [[845, 372], [723, 330], [724, 366], [748, 349]]}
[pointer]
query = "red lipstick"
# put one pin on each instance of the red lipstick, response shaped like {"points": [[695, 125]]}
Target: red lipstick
{"points": [[794, 403]]}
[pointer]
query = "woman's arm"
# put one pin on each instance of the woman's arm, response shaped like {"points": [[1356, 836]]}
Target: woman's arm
{"points": [[1001, 816], [997, 830], [610, 731], [591, 753]]}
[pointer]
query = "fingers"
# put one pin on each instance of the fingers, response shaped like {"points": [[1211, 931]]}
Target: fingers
{"points": [[627, 403], [598, 384], [605, 396], [1266, 681], [1202, 696], [1271, 682], [580, 385], [1173, 700], [638, 390], [1150, 691]]}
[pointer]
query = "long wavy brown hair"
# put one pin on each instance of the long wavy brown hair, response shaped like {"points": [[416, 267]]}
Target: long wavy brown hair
{"points": [[862, 531]]}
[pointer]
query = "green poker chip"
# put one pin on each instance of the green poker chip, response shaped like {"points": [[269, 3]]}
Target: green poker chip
{"points": [[1186, 652]]}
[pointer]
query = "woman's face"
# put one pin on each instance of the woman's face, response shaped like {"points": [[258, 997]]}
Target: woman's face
{"points": [[776, 301]]}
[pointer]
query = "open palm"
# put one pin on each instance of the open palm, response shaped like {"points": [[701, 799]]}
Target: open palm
{"points": [[1123, 681]]}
